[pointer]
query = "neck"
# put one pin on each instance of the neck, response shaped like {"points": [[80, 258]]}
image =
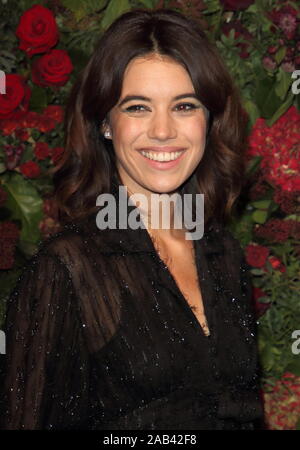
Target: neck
{"points": [[153, 212]]}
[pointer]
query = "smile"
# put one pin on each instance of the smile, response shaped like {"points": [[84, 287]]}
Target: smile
{"points": [[162, 156]]}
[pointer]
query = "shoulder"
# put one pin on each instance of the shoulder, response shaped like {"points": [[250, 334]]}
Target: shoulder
{"points": [[59, 244], [52, 254], [75, 248]]}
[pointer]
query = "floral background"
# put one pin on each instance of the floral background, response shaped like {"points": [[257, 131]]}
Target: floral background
{"points": [[43, 48]]}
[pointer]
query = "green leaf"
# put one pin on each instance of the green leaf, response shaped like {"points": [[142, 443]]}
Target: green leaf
{"points": [[294, 366], [253, 165], [28, 248], [26, 4], [261, 204], [27, 154], [241, 227], [212, 6], [114, 9], [291, 217], [280, 54], [257, 272], [38, 99], [265, 97], [252, 110], [26, 205], [259, 216], [267, 357], [82, 9], [253, 8], [264, 299], [284, 81], [2, 168], [281, 110], [148, 3]]}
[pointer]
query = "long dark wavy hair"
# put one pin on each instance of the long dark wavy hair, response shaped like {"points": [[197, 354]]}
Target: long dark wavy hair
{"points": [[88, 166]]}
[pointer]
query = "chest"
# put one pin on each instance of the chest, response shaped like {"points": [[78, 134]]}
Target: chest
{"points": [[181, 264]]}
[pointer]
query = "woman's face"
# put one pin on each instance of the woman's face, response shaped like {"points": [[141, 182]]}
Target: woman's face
{"points": [[159, 124]]}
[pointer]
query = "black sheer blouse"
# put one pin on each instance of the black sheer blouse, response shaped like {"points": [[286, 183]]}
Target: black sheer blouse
{"points": [[99, 336]]}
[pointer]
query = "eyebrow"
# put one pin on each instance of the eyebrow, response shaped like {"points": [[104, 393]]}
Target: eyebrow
{"points": [[147, 99]]}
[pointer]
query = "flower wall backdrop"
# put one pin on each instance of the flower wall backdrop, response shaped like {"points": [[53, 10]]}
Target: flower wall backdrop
{"points": [[43, 48]]}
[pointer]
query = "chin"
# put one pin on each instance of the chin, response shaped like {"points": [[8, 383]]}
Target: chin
{"points": [[166, 189]]}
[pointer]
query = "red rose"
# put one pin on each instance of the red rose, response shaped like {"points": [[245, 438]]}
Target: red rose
{"points": [[30, 169], [278, 146], [55, 112], [277, 264], [52, 69], [8, 126], [37, 30], [275, 230], [236, 5], [15, 102], [42, 150], [256, 255], [22, 135], [30, 120], [45, 124]]}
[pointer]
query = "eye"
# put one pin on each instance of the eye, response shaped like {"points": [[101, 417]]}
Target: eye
{"points": [[134, 108], [186, 107], [183, 107]]}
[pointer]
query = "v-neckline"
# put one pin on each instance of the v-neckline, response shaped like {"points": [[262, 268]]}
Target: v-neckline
{"points": [[178, 291]]}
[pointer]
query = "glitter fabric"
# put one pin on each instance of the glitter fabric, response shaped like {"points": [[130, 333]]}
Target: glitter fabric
{"points": [[99, 336]]}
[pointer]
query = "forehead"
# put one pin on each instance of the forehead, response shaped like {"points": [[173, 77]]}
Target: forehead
{"points": [[156, 73]]}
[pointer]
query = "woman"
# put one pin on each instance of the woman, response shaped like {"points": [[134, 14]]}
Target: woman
{"points": [[124, 328]]}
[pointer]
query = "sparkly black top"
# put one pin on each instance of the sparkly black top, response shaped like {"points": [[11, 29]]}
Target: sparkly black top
{"points": [[99, 336]]}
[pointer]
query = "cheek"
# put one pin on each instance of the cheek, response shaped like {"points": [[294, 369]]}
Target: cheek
{"points": [[126, 131], [194, 128], [196, 134]]}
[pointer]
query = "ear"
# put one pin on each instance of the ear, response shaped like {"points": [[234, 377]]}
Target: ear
{"points": [[103, 126], [106, 129]]}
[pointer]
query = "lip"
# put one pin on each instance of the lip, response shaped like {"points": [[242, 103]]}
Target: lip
{"points": [[161, 149], [163, 165]]}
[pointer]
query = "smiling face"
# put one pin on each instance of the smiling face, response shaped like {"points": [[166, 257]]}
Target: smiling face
{"points": [[159, 123]]}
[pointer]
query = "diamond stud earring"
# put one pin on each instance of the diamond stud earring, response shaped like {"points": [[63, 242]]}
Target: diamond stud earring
{"points": [[107, 134]]}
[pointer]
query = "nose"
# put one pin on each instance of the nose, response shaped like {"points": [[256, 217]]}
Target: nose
{"points": [[162, 126]]}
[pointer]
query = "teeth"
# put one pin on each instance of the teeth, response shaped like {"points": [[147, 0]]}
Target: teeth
{"points": [[165, 156]]}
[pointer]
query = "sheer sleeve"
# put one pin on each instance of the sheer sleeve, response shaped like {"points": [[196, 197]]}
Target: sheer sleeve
{"points": [[240, 276], [246, 394], [46, 359]]}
